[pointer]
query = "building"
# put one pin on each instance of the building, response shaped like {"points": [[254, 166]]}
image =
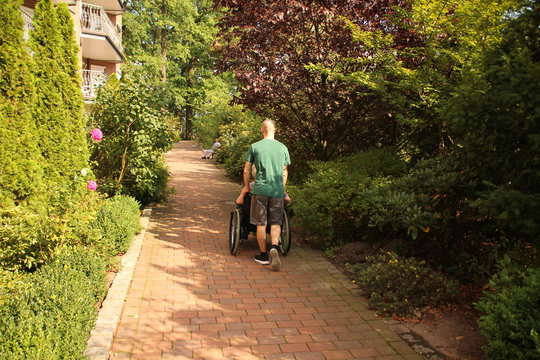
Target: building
{"points": [[98, 27]]}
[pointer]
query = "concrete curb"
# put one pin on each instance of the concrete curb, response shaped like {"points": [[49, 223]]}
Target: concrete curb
{"points": [[101, 337]]}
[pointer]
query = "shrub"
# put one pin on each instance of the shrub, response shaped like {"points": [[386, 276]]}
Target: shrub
{"points": [[220, 116], [397, 285], [129, 160], [428, 206], [28, 239], [72, 90], [29, 235], [511, 308], [51, 314], [236, 136], [330, 203], [118, 222]]}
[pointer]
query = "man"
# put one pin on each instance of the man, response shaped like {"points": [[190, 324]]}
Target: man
{"points": [[271, 159], [212, 150]]}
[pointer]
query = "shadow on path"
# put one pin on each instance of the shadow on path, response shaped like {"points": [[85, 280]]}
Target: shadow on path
{"points": [[191, 299]]}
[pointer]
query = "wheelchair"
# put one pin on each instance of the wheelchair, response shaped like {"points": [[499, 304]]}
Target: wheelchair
{"points": [[240, 227]]}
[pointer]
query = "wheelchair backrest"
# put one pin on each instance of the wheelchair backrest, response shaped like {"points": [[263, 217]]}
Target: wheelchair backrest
{"points": [[246, 208]]}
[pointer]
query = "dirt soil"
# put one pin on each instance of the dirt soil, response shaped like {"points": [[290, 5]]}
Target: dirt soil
{"points": [[446, 333]]}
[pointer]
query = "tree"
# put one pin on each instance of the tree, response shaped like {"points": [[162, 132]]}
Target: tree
{"points": [[20, 172], [454, 34], [284, 55], [175, 56], [50, 113], [494, 114], [200, 63], [343, 76], [73, 98]]}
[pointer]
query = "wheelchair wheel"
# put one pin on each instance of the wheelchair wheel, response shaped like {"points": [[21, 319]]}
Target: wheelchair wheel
{"points": [[234, 231], [285, 238]]}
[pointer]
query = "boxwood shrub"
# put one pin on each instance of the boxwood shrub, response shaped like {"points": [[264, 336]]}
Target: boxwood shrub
{"points": [[49, 315], [118, 222]]}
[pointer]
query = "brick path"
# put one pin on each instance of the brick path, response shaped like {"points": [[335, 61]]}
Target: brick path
{"points": [[190, 299]]}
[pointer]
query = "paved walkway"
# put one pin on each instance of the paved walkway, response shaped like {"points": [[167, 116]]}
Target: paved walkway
{"points": [[191, 299]]}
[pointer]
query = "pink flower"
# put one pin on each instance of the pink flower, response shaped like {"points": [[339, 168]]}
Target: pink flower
{"points": [[96, 134], [92, 185]]}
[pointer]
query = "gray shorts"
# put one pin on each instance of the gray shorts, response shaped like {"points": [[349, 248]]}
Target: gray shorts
{"points": [[266, 210]]}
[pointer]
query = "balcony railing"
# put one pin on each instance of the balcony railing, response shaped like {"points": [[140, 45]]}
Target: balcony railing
{"points": [[94, 18], [27, 24], [92, 80]]}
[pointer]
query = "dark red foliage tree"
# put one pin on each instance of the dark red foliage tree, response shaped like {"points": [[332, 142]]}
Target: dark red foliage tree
{"points": [[288, 57]]}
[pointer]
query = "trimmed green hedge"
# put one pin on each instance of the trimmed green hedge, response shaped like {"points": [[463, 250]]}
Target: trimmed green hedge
{"points": [[118, 222], [51, 314], [48, 314]]}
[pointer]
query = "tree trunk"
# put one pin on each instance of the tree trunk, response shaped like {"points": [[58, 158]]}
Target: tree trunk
{"points": [[164, 44], [189, 105]]}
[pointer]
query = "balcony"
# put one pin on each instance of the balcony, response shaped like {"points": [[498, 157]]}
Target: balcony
{"points": [[101, 39], [92, 80], [112, 6], [27, 15]]}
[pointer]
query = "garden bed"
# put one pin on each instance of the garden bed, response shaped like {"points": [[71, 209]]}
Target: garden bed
{"points": [[450, 332]]}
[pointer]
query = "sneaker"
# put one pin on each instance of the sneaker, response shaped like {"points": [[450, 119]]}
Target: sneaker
{"points": [[276, 263], [261, 259]]}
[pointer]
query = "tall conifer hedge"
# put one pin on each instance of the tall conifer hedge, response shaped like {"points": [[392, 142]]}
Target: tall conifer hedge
{"points": [[52, 83], [20, 171], [72, 93]]}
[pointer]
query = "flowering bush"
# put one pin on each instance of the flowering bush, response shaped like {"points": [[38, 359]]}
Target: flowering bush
{"points": [[96, 134], [130, 159], [92, 185]]}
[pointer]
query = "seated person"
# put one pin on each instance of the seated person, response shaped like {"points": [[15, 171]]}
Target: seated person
{"points": [[240, 199], [212, 150]]}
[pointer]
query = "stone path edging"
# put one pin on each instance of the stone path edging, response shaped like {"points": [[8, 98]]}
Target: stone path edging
{"points": [[101, 337]]}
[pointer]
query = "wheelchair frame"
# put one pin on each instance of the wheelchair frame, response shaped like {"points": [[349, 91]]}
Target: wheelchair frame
{"points": [[240, 227]]}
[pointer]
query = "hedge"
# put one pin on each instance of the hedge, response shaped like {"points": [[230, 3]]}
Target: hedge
{"points": [[118, 222], [51, 313]]}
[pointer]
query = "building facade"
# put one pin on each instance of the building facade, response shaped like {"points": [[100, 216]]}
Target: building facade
{"points": [[98, 27]]}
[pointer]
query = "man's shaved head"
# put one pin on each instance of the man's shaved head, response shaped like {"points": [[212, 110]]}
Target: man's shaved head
{"points": [[268, 124]]}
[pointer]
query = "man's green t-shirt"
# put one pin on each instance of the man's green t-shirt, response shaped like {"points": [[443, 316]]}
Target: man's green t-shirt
{"points": [[270, 158]]}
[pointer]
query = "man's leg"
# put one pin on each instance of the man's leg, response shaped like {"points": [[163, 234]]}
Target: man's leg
{"points": [[275, 214], [275, 231], [261, 258], [261, 238], [259, 217]]}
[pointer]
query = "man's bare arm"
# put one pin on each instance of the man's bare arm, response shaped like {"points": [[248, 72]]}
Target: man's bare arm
{"points": [[247, 173], [285, 176]]}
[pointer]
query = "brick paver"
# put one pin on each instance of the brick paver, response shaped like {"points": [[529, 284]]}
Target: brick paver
{"points": [[191, 299]]}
